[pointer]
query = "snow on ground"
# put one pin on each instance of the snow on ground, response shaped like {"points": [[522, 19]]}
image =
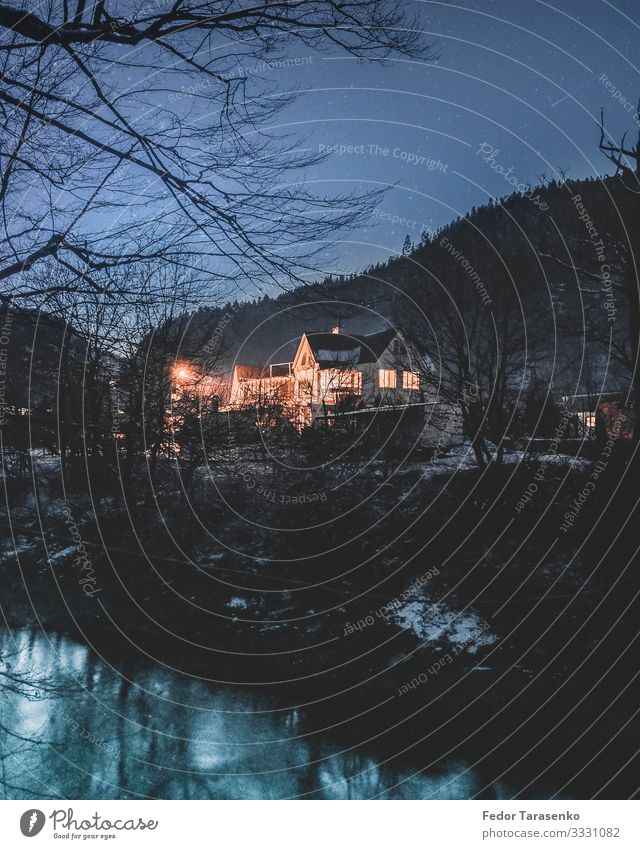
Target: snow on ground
{"points": [[247, 470], [237, 603], [462, 457], [9, 550], [62, 555], [439, 623]]}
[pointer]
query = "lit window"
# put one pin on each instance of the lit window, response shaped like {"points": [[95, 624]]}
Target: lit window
{"points": [[386, 378], [342, 382], [352, 381], [410, 380]]}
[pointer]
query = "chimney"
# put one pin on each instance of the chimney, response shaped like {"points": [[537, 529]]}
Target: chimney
{"points": [[336, 329]]}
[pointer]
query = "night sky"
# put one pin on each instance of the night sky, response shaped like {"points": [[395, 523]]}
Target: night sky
{"points": [[525, 78]]}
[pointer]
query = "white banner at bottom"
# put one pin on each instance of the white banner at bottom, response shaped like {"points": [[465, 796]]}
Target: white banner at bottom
{"points": [[318, 825]]}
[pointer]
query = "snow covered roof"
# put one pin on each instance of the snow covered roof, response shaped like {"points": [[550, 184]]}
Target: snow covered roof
{"points": [[350, 356], [346, 348]]}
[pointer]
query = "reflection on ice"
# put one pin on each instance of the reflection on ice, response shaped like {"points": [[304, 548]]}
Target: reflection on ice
{"points": [[91, 733]]}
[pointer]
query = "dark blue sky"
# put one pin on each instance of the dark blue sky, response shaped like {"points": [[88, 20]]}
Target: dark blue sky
{"points": [[523, 76]]}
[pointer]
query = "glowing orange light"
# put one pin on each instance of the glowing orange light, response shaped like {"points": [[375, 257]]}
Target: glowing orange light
{"points": [[183, 374]]}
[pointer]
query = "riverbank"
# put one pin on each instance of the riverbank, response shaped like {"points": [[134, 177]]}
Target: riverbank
{"points": [[397, 619]]}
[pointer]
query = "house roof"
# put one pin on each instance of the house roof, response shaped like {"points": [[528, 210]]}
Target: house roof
{"points": [[330, 349]]}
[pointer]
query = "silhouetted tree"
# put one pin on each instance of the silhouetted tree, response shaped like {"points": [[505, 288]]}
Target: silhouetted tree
{"points": [[97, 126]]}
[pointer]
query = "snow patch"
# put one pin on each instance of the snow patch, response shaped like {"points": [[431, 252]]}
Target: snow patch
{"points": [[436, 622], [62, 555]]}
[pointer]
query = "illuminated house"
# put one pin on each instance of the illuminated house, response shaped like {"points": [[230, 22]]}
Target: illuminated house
{"points": [[341, 376]]}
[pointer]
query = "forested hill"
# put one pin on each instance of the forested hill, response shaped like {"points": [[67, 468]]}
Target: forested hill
{"points": [[521, 246]]}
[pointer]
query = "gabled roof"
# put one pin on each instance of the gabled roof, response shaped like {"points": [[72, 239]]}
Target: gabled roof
{"points": [[340, 349]]}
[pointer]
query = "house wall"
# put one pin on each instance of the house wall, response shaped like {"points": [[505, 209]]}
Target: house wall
{"points": [[372, 393], [262, 390]]}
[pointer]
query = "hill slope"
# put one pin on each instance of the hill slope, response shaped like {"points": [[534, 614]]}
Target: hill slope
{"points": [[529, 247]]}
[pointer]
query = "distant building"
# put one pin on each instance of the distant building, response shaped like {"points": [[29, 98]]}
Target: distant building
{"points": [[344, 377], [612, 409]]}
